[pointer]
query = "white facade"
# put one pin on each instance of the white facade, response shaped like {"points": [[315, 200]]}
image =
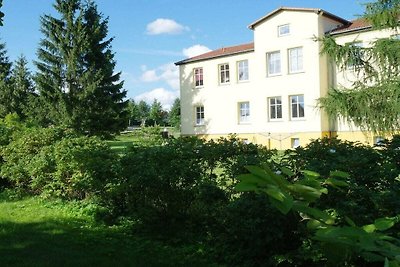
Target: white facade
{"points": [[270, 94]]}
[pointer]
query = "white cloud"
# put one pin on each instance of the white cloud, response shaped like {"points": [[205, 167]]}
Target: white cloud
{"points": [[165, 97], [168, 73], [195, 50], [150, 76], [165, 26]]}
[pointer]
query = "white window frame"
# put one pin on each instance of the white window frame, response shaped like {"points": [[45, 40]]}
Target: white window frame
{"points": [[275, 108], [243, 70], [296, 60], [274, 63], [283, 30], [296, 103], [198, 75], [244, 112], [224, 73], [199, 112]]}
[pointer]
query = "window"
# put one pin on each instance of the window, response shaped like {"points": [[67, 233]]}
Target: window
{"points": [[200, 115], [295, 59], [244, 112], [283, 30], [295, 142], [198, 77], [379, 140], [274, 63], [356, 57], [243, 70], [275, 108], [297, 106], [224, 73]]}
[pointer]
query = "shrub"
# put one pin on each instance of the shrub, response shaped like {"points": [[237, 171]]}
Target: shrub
{"points": [[73, 168], [18, 154]]}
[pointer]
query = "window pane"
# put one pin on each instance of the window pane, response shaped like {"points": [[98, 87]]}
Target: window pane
{"points": [[295, 59], [274, 62]]}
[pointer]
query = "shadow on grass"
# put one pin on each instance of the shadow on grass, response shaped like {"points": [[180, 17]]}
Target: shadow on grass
{"points": [[70, 243]]}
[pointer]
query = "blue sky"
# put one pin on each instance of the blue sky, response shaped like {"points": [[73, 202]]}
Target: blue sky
{"points": [[150, 35]]}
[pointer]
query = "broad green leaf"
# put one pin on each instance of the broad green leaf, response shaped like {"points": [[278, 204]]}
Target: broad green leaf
{"points": [[250, 178], [369, 228], [245, 187], [339, 174], [276, 193], [311, 174], [307, 193], [314, 224], [287, 171], [262, 174], [383, 224], [283, 206], [335, 182], [317, 214]]}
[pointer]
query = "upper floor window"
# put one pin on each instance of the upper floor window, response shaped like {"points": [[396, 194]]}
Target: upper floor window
{"points": [[356, 55], [198, 77], [244, 112], [243, 70], [275, 107], [274, 63], [200, 115], [283, 30], [224, 73], [297, 106], [295, 59]]}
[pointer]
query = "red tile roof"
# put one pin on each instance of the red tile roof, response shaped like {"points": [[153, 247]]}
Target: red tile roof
{"points": [[221, 52], [355, 25]]}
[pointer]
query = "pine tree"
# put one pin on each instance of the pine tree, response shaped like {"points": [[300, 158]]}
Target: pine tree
{"points": [[76, 68], [373, 101], [22, 88], [5, 83]]}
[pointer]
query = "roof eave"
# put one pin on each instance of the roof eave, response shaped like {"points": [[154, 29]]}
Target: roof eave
{"points": [[186, 61]]}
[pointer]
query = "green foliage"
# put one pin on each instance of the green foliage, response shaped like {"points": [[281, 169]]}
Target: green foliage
{"points": [[19, 154], [372, 186], [76, 76], [157, 114], [174, 116], [375, 93], [73, 168], [342, 243]]}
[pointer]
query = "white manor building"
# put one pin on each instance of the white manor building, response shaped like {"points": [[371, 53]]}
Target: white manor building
{"points": [[265, 92]]}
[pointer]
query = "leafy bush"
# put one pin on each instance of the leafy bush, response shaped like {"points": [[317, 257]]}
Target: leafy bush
{"points": [[373, 187], [73, 168], [18, 154]]}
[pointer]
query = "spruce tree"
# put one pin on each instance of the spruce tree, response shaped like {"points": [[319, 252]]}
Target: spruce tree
{"points": [[5, 83], [22, 88], [76, 70], [373, 101]]}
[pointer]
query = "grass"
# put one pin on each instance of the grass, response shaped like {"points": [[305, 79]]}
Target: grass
{"points": [[35, 232]]}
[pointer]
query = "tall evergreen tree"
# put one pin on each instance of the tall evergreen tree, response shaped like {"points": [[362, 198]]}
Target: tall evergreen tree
{"points": [[76, 70], [373, 101], [5, 82], [22, 88]]}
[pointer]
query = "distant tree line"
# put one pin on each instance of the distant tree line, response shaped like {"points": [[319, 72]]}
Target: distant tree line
{"points": [[144, 114]]}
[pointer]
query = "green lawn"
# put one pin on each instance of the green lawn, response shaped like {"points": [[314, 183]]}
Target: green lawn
{"points": [[34, 232]]}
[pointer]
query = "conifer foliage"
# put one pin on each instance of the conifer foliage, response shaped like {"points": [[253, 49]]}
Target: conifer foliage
{"points": [[76, 76], [373, 101]]}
